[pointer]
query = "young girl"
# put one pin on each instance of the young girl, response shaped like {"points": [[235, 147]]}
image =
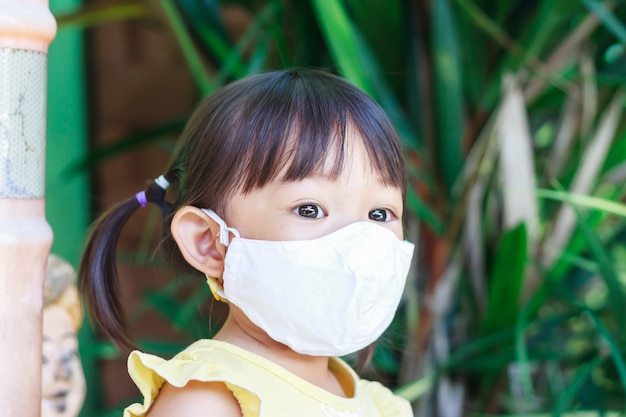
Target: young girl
{"points": [[290, 195]]}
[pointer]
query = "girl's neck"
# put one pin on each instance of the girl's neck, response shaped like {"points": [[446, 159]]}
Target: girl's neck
{"points": [[239, 331]]}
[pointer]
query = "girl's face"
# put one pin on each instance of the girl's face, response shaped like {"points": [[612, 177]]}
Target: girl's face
{"points": [[317, 205], [63, 381]]}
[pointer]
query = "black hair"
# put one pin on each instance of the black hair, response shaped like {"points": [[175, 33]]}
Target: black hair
{"points": [[239, 139]]}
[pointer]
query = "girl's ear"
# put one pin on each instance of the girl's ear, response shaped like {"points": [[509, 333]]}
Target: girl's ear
{"points": [[197, 237]]}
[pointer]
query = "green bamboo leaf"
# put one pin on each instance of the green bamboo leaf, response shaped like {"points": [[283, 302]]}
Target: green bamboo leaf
{"points": [[587, 201], [506, 280], [582, 374], [503, 357], [259, 57], [232, 64], [231, 56], [204, 18], [494, 30], [503, 10], [475, 65], [352, 56], [580, 262], [488, 25], [614, 348], [616, 158], [586, 175], [580, 377], [342, 41], [414, 390], [484, 346], [521, 352], [611, 79], [494, 362], [610, 21], [560, 56], [607, 270], [194, 61], [386, 99], [90, 16], [373, 18], [447, 91], [541, 31], [278, 33], [577, 246], [474, 348]]}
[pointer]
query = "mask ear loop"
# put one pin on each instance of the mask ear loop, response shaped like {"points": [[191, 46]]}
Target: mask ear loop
{"points": [[224, 233]]}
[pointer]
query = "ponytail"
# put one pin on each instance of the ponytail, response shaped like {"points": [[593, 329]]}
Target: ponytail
{"points": [[98, 278]]}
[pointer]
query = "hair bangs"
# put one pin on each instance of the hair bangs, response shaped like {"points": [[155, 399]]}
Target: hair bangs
{"points": [[297, 124], [285, 125]]}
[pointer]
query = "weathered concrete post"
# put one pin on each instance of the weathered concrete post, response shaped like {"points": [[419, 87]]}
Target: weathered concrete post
{"points": [[26, 29]]}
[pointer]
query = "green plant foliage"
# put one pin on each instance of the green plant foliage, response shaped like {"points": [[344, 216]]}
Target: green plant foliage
{"points": [[448, 99], [506, 281]]}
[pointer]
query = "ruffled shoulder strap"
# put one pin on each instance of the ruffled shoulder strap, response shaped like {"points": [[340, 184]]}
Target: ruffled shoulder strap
{"points": [[150, 372], [388, 404]]}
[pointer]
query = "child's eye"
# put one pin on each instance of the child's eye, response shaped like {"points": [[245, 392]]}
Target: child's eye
{"points": [[310, 211], [380, 215]]}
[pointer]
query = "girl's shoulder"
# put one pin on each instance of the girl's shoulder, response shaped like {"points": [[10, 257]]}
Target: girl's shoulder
{"points": [[187, 383], [195, 399]]}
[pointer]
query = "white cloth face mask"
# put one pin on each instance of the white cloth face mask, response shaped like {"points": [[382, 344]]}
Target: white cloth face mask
{"points": [[329, 296]]}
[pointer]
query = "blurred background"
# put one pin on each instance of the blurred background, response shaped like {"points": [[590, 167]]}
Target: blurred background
{"points": [[511, 117]]}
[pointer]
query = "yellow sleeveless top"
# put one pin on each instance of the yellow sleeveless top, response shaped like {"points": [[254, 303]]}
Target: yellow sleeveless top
{"points": [[262, 388]]}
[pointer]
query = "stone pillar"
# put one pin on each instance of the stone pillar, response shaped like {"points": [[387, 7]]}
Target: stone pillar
{"points": [[26, 29]]}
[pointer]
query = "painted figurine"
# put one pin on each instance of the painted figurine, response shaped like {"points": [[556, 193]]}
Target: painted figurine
{"points": [[62, 378]]}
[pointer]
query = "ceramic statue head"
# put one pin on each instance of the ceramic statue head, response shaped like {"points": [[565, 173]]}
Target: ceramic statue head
{"points": [[62, 378]]}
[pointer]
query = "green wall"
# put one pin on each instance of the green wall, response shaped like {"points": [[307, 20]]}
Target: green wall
{"points": [[66, 192]]}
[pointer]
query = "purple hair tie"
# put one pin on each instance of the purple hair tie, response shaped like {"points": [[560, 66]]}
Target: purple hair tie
{"points": [[141, 198]]}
